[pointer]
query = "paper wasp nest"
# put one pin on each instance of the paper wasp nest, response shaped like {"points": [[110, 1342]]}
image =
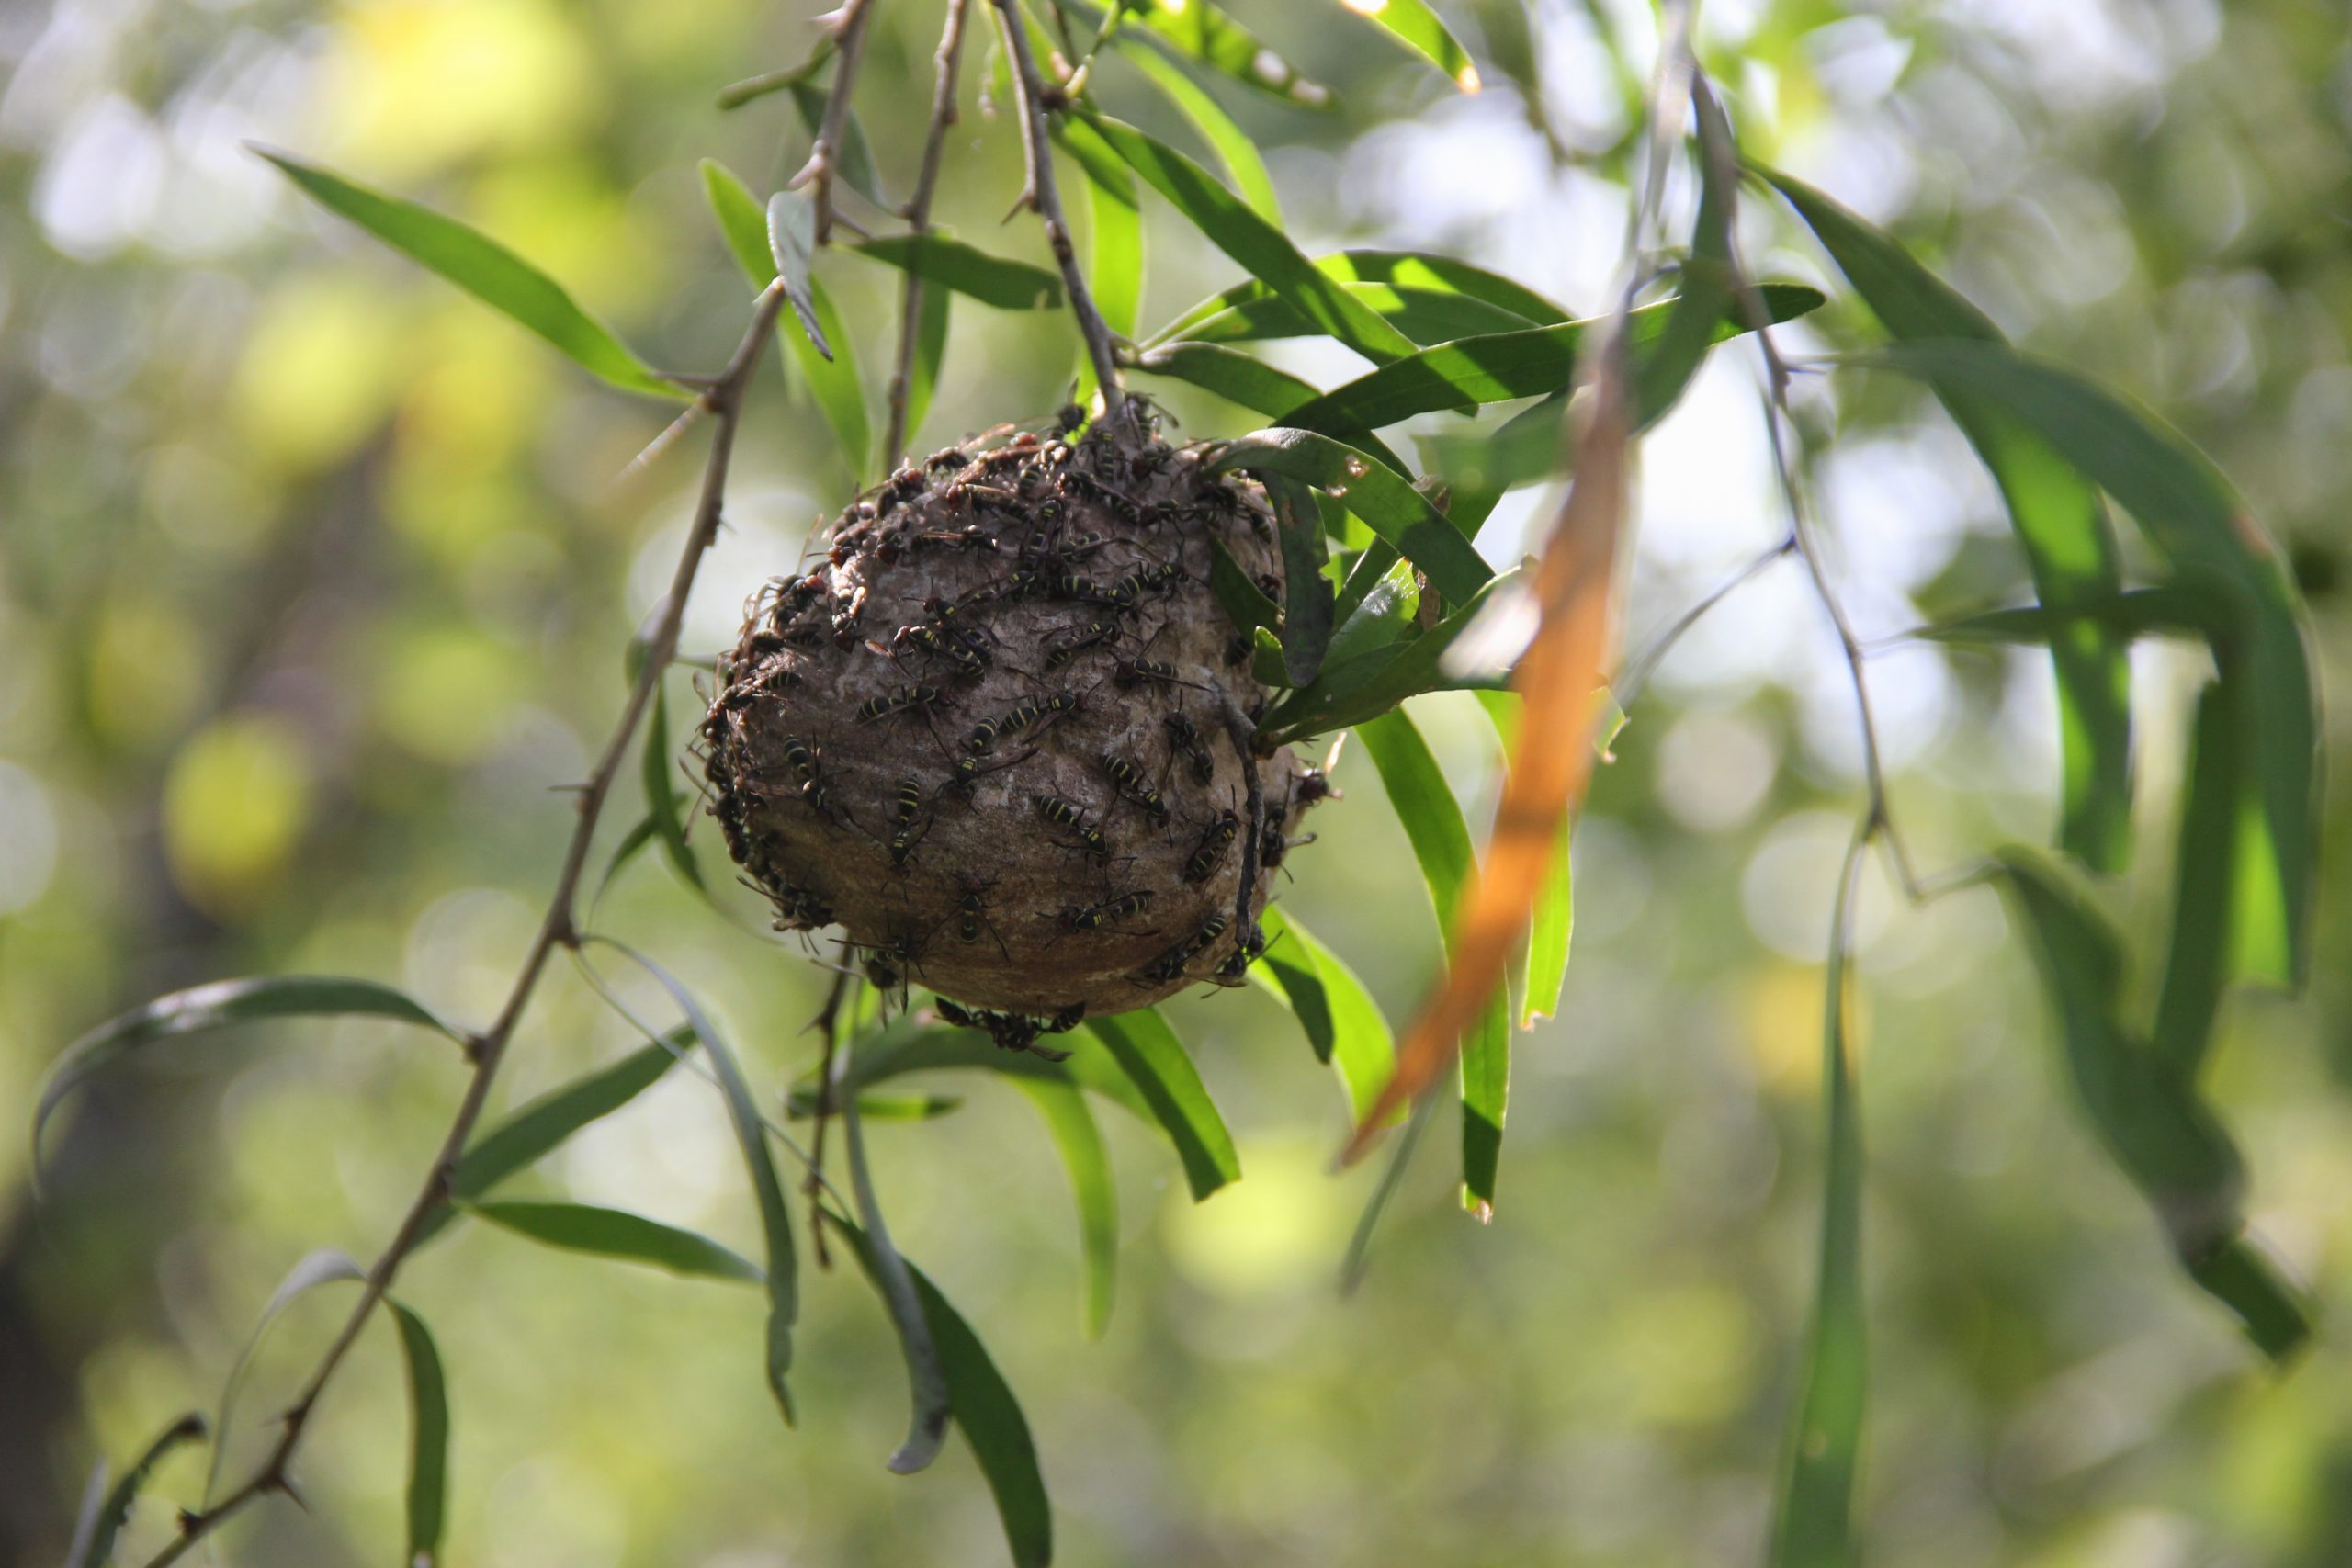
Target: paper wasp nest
{"points": [[987, 734]]}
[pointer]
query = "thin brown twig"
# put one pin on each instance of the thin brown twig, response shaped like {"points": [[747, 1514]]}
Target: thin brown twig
{"points": [[824, 156], [943, 115], [557, 930], [1041, 195]]}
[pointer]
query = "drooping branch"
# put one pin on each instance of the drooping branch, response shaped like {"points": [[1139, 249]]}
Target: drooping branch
{"points": [[558, 929], [824, 157], [1041, 195], [943, 115]]}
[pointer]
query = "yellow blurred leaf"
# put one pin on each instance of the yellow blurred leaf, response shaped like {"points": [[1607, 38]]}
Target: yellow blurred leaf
{"points": [[235, 802], [319, 371]]}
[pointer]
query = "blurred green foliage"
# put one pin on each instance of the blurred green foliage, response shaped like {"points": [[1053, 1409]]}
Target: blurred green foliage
{"points": [[314, 578]]}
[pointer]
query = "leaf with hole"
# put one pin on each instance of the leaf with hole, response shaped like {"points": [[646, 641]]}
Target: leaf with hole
{"points": [[483, 268]]}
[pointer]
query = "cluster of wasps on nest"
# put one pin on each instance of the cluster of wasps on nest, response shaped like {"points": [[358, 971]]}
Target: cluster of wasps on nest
{"points": [[1001, 732]]}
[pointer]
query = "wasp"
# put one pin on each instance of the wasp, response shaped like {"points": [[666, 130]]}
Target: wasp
{"points": [[970, 537], [1183, 736], [1172, 962], [1313, 785], [1129, 780], [1062, 814], [799, 908], [972, 912], [1072, 645], [1237, 649], [1215, 840], [1094, 917], [947, 460], [903, 700], [1246, 951], [1010, 1031], [1134, 671], [1272, 846], [966, 655]]}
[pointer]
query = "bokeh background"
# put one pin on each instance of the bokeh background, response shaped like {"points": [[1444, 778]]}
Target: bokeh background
{"points": [[314, 578]]}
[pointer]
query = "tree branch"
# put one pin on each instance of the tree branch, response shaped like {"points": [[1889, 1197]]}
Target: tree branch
{"points": [[943, 115], [724, 401], [825, 155], [1040, 195]]}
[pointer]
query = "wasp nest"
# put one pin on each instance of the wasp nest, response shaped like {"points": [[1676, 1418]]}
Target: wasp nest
{"points": [[997, 735]]}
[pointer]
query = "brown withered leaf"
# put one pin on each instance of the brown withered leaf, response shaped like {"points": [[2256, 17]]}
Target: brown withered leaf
{"points": [[1552, 762]]}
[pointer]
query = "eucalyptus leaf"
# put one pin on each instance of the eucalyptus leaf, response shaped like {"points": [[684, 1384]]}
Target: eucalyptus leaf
{"points": [[1232, 145], [992, 280], [1147, 1051], [616, 1233], [854, 160], [1415, 26], [428, 1440], [1071, 1126], [927, 1382], [1374, 492], [1510, 304], [792, 246], [1344, 1027]]}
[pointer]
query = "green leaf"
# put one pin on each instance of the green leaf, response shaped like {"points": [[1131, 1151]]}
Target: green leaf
{"points": [[1080, 1141], [1704, 290], [792, 246], [740, 221], [1373, 492], [1812, 1526], [992, 280], [854, 160], [927, 1384], [483, 268], [1374, 682], [1306, 593], [1406, 276], [1432, 820], [1343, 1025], [1153, 1059], [1238, 377], [1203, 31], [2144, 1110], [1248, 239], [630, 845], [1115, 228], [2175, 608], [1244, 602], [1502, 366], [1232, 145], [661, 799], [1545, 957], [2197, 962], [915, 1044], [1415, 26], [931, 350], [2060, 523], [428, 1438], [2189, 513], [1425, 315], [321, 1266], [538, 1128], [840, 395], [986, 1413], [222, 1005], [894, 1107], [750, 1138], [95, 1541], [615, 1233]]}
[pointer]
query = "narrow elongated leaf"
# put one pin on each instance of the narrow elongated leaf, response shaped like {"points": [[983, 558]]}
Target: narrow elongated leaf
{"points": [[428, 1438], [2197, 962], [96, 1546], [1343, 1025], [2188, 510], [1704, 290], [1414, 25], [1153, 1059], [1374, 684], [932, 314], [1812, 1526], [616, 1233], [1080, 1142], [999, 281], [927, 1384], [1426, 315], [1306, 593], [1248, 239], [735, 94], [792, 246], [1232, 145], [1403, 276], [854, 160], [322, 1265], [662, 799], [782, 1273], [840, 396], [1114, 230], [537, 1129], [985, 1412], [1548, 933], [1506, 365], [630, 845], [2061, 525], [2176, 609], [1244, 602], [1432, 820], [916, 1044], [742, 223], [2144, 1108], [1373, 492], [483, 268], [1202, 31], [223, 1004], [1238, 377]]}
